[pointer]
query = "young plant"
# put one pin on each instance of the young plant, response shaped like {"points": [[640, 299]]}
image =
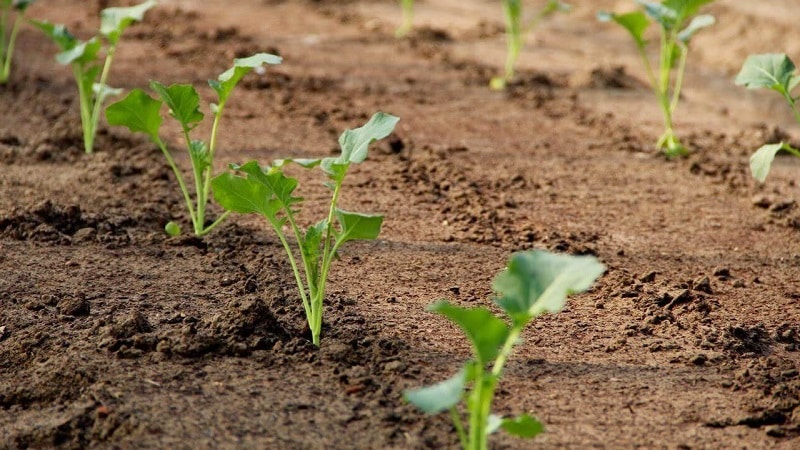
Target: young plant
{"points": [[84, 58], [141, 113], [516, 30], [8, 32], [533, 283], [671, 16], [268, 191], [408, 18], [776, 72]]}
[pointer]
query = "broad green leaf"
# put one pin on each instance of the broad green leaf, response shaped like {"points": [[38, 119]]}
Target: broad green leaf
{"points": [[537, 281], [81, 53], [770, 70], [138, 112], [113, 21], [183, 102], [198, 152], [486, 332], [523, 426], [274, 180], [22, 5], [685, 8], [355, 143], [57, 33], [357, 226], [310, 248], [635, 22], [241, 67], [761, 161], [697, 24], [440, 396], [667, 16], [242, 195]]}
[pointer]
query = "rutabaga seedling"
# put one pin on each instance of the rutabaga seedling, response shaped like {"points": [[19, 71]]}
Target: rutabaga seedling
{"points": [[268, 191], [141, 113], [408, 18], [533, 283], [8, 32], [671, 16], [84, 58], [776, 72], [516, 30]]}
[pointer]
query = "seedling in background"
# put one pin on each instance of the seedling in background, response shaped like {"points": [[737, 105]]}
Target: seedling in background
{"points": [[774, 71], [671, 16], [269, 192], [142, 113], [408, 18], [516, 30], [534, 283], [84, 58], [8, 32]]}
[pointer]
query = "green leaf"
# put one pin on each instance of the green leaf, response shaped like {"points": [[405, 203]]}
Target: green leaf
{"points": [[274, 180], [685, 8], [243, 195], [114, 21], [138, 112], [81, 53], [761, 161], [666, 16], [794, 82], [771, 70], [357, 226], [535, 282], [486, 332], [198, 152], [635, 22], [440, 396], [241, 67], [102, 92], [306, 163], [183, 102], [523, 426], [697, 24], [310, 248], [57, 33], [355, 143]]}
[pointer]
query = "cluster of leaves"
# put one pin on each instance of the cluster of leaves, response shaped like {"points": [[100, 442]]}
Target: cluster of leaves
{"points": [[408, 18], [84, 58], [9, 31], [671, 16], [534, 283], [774, 71], [268, 191], [141, 113], [516, 30]]}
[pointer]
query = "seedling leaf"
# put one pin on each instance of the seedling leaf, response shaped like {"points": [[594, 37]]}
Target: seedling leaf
{"points": [[770, 70], [355, 143], [57, 33], [523, 426], [537, 282], [635, 22], [102, 92], [665, 15], [201, 158], [486, 332], [357, 226], [440, 396], [80, 52], [113, 21], [276, 182], [241, 67], [243, 195], [761, 161], [685, 8], [697, 24], [183, 102], [138, 112]]}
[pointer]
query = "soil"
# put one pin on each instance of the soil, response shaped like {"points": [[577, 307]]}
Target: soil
{"points": [[113, 335]]}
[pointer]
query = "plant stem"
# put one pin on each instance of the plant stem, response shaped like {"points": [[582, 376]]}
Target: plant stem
{"points": [[178, 175], [513, 11], [408, 18], [9, 52], [204, 192], [219, 220], [85, 99], [3, 23], [98, 100], [277, 227], [462, 435]]}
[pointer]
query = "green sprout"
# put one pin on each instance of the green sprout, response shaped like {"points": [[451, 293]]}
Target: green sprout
{"points": [[774, 71], [408, 18], [516, 30], [9, 38], [533, 283], [84, 58], [671, 16], [141, 113], [269, 192]]}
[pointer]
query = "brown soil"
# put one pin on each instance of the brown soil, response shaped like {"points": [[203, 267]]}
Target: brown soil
{"points": [[113, 335]]}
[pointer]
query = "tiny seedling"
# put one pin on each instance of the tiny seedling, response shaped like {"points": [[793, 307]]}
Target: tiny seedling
{"points": [[268, 191], [516, 30], [84, 58], [671, 16], [9, 31], [408, 18], [774, 71], [141, 113], [533, 283]]}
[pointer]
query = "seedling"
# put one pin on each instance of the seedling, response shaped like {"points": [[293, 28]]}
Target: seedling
{"points": [[533, 283], [9, 38], [408, 18], [671, 16], [268, 191], [516, 30], [776, 72], [84, 58], [141, 113]]}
